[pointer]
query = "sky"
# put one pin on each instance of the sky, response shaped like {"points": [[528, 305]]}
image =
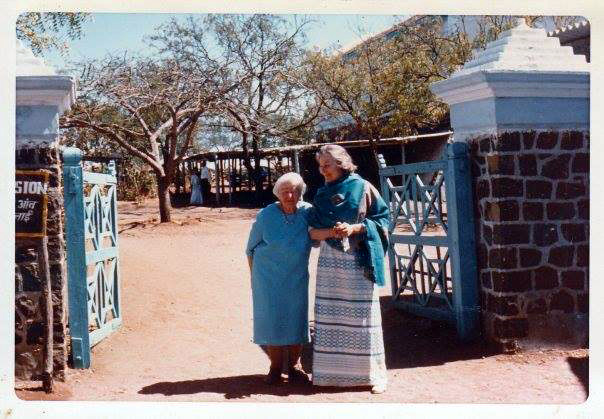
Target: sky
{"points": [[111, 32]]}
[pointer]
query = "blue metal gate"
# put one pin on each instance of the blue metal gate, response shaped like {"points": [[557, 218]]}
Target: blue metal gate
{"points": [[432, 254], [92, 255]]}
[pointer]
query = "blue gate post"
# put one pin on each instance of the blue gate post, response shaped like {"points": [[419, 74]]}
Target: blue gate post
{"points": [[462, 245], [388, 199], [112, 169], [76, 257]]}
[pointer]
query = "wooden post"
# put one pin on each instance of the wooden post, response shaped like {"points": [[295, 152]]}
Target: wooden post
{"points": [[297, 161], [268, 168], [462, 246], [217, 175], [48, 357], [230, 179], [222, 188], [403, 161]]}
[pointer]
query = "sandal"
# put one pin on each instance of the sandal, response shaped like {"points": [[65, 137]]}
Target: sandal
{"points": [[378, 389], [295, 375], [273, 377]]}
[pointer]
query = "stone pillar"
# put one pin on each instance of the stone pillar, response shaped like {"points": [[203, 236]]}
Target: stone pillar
{"points": [[41, 97], [522, 105]]}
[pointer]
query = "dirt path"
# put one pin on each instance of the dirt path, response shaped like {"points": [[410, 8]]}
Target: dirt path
{"points": [[187, 333]]}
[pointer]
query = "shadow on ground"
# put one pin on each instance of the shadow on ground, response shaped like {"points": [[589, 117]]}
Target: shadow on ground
{"points": [[580, 367], [238, 387], [411, 341]]}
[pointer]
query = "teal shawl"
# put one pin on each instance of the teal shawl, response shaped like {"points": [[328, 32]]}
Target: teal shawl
{"points": [[340, 201]]}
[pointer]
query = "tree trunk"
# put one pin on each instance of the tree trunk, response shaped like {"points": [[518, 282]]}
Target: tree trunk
{"points": [[258, 181], [163, 194]]}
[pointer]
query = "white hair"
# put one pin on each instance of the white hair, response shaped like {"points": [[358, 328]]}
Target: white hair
{"points": [[291, 178]]}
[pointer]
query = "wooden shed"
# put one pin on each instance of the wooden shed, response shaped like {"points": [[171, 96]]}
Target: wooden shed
{"points": [[232, 185]]}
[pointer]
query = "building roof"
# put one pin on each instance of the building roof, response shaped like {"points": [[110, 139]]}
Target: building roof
{"points": [[284, 151]]}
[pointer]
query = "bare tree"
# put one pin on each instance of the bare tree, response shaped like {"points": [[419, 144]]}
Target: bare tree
{"points": [[148, 107], [266, 52]]}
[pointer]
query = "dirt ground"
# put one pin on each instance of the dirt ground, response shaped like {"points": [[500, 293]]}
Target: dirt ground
{"points": [[187, 333]]}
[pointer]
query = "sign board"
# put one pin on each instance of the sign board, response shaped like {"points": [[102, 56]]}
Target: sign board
{"points": [[31, 199]]}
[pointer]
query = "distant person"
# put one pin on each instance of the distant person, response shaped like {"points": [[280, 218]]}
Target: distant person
{"points": [[351, 219], [205, 177], [196, 197], [278, 249]]}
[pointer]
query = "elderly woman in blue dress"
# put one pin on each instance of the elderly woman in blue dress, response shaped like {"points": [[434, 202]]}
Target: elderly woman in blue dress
{"points": [[351, 220], [278, 249]]}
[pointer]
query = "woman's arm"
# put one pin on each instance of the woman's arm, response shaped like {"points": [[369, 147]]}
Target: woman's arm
{"points": [[321, 233]]}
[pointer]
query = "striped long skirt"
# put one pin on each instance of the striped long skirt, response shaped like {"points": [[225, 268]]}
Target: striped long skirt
{"points": [[349, 345]]}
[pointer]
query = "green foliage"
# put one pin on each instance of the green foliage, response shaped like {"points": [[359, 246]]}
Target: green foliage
{"points": [[381, 87], [45, 31]]}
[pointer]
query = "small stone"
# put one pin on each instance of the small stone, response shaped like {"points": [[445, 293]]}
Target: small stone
{"points": [[503, 258], [583, 208], [560, 210], [502, 211], [501, 164], [485, 279], [561, 256], [546, 278], [556, 168], [545, 234], [510, 328], [580, 163], [511, 233], [583, 255], [508, 141], [483, 189], [507, 187], [538, 189], [529, 257], [571, 140], [563, 301], [532, 211], [511, 281], [528, 139], [570, 190], [528, 165], [25, 306], [574, 232], [547, 140], [538, 306], [574, 280]]}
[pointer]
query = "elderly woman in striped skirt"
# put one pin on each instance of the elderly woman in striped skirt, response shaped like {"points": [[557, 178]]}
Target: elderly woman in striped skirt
{"points": [[350, 218]]}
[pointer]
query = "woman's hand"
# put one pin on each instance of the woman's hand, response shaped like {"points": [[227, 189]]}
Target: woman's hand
{"points": [[346, 230]]}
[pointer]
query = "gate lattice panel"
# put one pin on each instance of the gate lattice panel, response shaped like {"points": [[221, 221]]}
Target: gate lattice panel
{"points": [[432, 256], [92, 255]]}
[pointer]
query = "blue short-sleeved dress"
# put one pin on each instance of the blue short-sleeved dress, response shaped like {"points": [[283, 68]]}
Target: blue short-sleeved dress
{"points": [[280, 247]]}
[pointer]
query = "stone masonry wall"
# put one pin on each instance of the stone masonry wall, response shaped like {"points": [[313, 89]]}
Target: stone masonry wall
{"points": [[532, 209], [29, 329]]}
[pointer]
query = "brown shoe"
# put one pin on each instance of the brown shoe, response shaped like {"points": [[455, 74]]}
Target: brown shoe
{"points": [[295, 375], [273, 377]]}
